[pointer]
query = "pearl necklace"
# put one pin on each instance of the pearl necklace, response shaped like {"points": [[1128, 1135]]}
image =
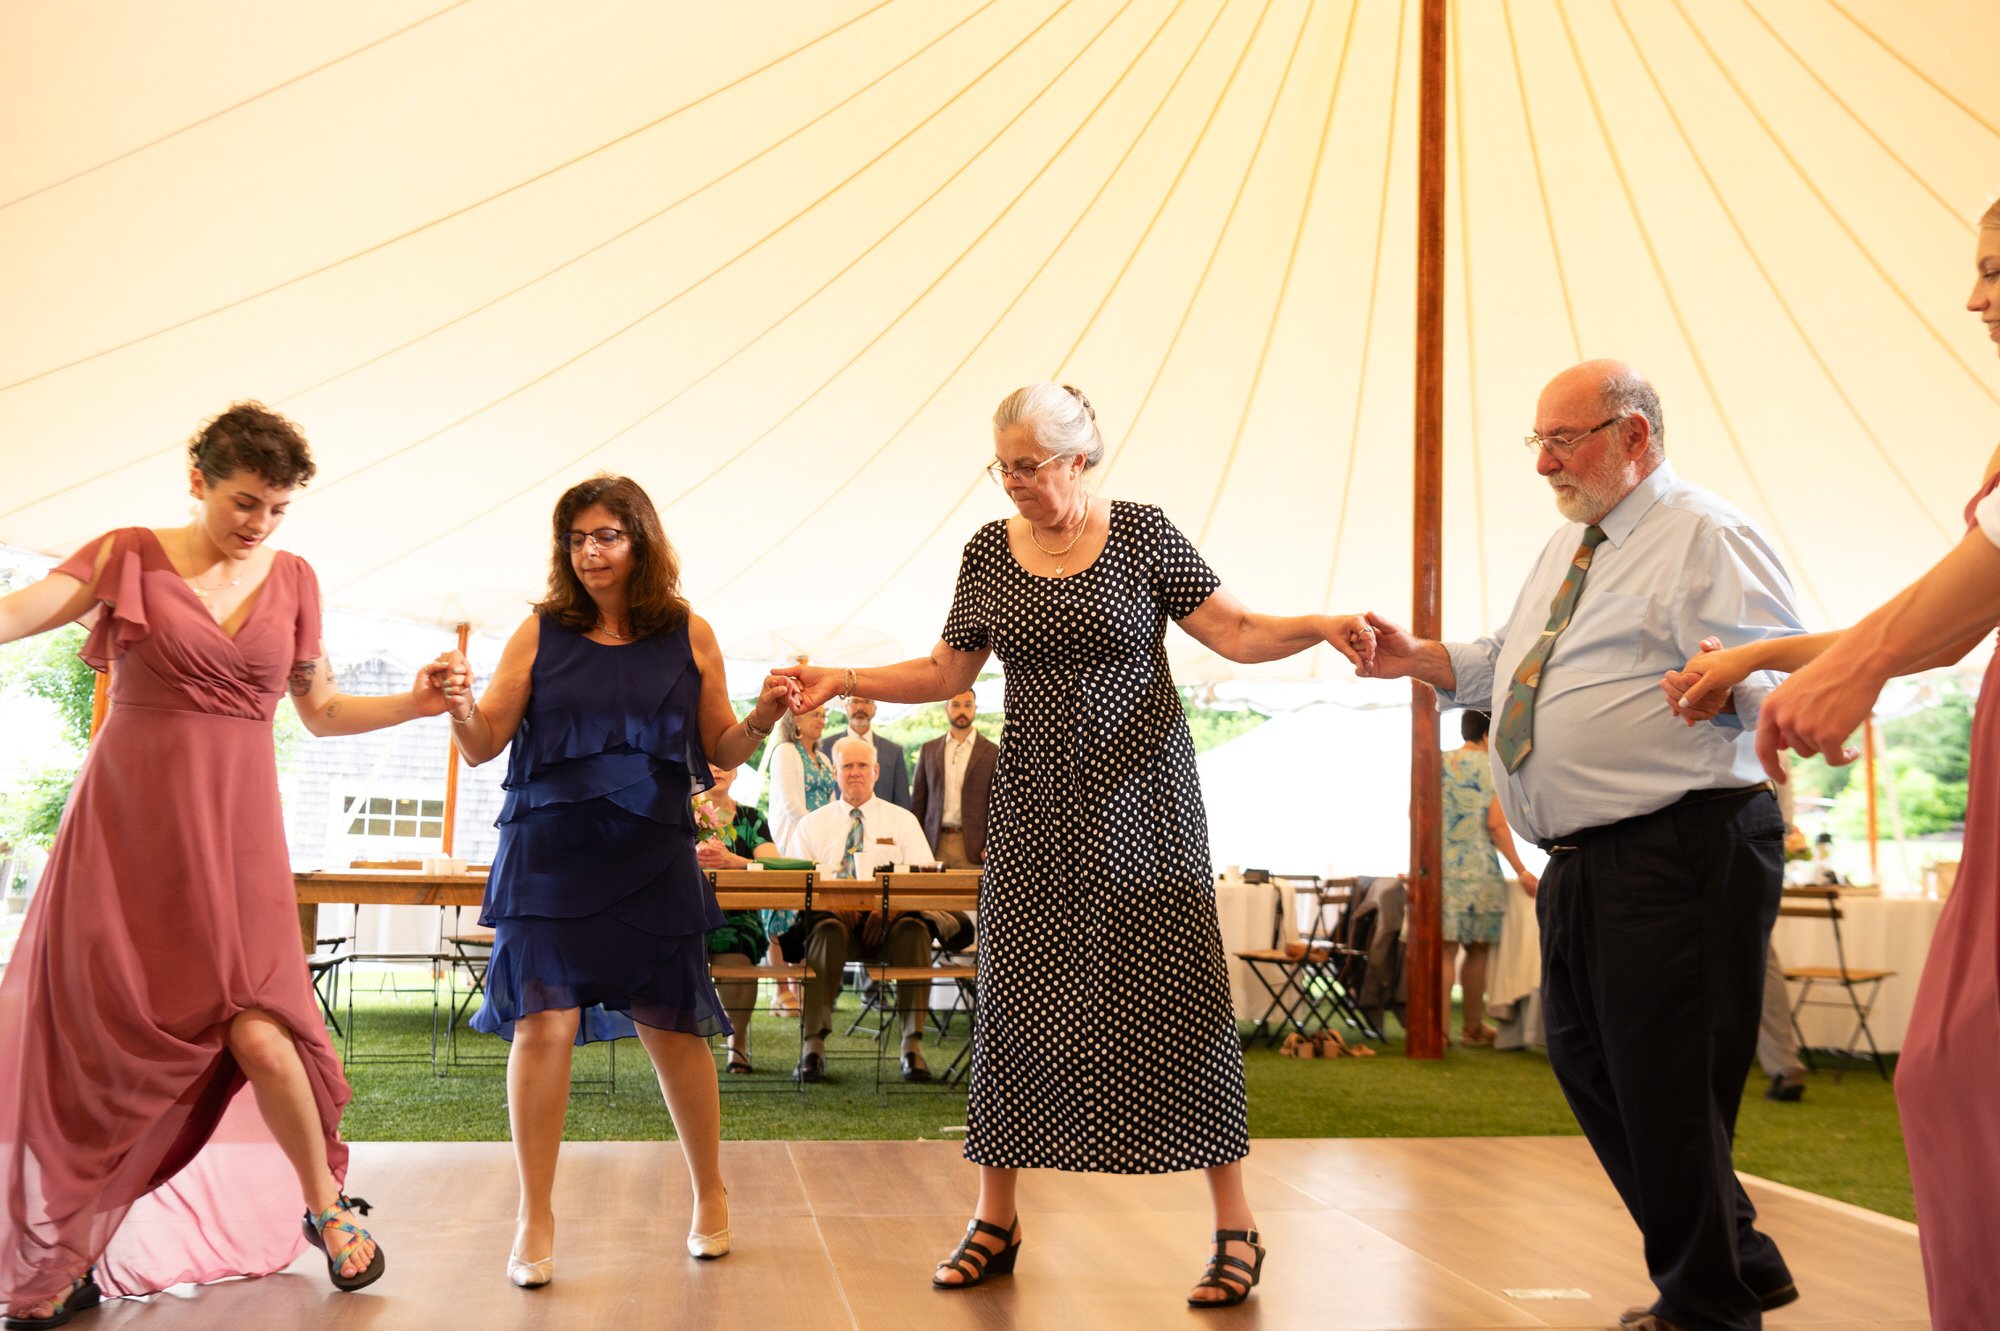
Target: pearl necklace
{"points": [[1082, 527], [200, 589]]}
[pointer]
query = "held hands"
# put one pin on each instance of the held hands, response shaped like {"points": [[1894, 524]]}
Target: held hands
{"points": [[1353, 637], [1395, 653], [774, 699], [810, 686], [1702, 690], [449, 680]]}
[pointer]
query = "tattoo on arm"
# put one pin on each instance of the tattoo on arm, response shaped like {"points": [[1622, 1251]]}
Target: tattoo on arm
{"points": [[300, 681], [332, 709]]}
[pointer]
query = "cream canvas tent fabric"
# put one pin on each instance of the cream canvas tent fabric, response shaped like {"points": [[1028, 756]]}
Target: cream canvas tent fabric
{"points": [[779, 262]]}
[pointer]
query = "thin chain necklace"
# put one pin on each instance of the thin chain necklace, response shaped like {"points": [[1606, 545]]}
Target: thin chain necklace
{"points": [[1082, 527], [607, 631], [200, 589]]}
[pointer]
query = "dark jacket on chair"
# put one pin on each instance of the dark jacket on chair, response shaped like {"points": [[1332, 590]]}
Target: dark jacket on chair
{"points": [[928, 799]]}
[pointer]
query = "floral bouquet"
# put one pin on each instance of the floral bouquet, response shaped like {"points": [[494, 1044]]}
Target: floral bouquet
{"points": [[708, 819]]}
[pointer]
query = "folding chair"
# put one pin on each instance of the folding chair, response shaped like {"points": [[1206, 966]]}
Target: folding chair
{"points": [[887, 977], [1859, 988], [1302, 984], [757, 1083], [324, 968]]}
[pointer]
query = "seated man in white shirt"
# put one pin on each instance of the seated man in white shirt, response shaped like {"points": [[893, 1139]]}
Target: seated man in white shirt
{"points": [[862, 834]]}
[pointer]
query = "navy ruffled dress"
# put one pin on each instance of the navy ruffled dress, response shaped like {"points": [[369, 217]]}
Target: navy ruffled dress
{"points": [[595, 898]]}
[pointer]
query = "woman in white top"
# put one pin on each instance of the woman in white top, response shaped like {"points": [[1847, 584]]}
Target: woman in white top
{"points": [[797, 779]]}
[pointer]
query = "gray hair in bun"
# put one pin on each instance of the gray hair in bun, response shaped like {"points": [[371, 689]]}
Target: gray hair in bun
{"points": [[1062, 418]]}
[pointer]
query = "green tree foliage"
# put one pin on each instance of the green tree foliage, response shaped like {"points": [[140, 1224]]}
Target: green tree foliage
{"points": [[48, 667], [1927, 753]]}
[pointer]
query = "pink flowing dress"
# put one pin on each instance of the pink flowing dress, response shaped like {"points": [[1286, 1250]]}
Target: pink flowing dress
{"points": [[1948, 1078], [128, 1136]]}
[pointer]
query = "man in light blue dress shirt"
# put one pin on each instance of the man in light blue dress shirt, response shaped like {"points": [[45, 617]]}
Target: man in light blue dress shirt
{"points": [[1665, 842]]}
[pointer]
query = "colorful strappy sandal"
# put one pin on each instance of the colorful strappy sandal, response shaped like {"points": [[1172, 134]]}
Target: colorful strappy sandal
{"points": [[1235, 1288], [316, 1227], [975, 1261], [82, 1293]]}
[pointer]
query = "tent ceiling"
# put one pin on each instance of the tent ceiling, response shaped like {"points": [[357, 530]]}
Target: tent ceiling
{"points": [[779, 265]]}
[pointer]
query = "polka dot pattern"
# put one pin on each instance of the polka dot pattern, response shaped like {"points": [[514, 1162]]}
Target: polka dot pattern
{"points": [[1106, 1040]]}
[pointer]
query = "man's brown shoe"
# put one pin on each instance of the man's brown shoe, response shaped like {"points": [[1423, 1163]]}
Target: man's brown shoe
{"points": [[1777, 1298], [1645, 1321]]}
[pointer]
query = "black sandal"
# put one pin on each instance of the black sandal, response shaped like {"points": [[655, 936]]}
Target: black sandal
{"points": [[976, 1261], [82, 1293], [1217, 1276], [315, 1227], [739, 1064]]}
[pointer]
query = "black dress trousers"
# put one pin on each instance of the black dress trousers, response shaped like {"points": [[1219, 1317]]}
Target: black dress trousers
{"points": [[1653, 938]]}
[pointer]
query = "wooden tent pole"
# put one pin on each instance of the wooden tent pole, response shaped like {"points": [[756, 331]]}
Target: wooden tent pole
{"points": [[451, 767], [1874, 833], [100, 701], [1426, 905]]}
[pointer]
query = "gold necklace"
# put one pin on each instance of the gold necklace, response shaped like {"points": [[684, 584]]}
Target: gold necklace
{"points": [[202, 590], [606, 630], [1082, 527]]}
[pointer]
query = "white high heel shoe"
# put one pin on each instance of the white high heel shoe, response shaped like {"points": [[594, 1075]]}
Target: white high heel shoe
{"points": [[709, 1246], [533, 1275]]}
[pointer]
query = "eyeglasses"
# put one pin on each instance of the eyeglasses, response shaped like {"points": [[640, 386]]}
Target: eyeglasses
{"points": [[604, 538], [1561, 447], [1001, 473]]}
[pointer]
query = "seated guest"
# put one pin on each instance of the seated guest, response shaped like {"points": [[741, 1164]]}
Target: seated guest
{"points": [[740, 835], [862, 834], [892, 781], [954, 784]]}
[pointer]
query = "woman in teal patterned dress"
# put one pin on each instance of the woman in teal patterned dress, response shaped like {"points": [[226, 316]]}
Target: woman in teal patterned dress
{"points": [[797, 780], [1475, 895], [741, 835]]}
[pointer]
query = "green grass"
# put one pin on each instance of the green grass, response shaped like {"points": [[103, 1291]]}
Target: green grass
{"points": [[1842, 1141]]}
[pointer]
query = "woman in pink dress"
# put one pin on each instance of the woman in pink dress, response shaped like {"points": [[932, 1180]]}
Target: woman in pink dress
{"points": [[1948, 1078], [159, 969]]}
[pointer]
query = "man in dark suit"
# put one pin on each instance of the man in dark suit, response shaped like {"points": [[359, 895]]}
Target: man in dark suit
{"points": [[954, 783], [892, 783]]}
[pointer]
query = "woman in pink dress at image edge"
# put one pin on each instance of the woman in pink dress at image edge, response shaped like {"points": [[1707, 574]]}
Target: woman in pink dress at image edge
{"points": [[1948, 1077], [159, 968]]}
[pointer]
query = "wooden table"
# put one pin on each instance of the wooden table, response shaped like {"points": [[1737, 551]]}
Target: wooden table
{"points": [[735, 889]]}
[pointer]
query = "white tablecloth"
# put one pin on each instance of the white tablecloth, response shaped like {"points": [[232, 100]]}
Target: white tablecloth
{"points": [[1251, 919], [1881, 933]]}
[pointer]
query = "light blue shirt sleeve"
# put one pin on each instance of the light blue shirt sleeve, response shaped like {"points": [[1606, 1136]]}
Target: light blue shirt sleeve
{"points": [[1472, 668], [1739, 594]]}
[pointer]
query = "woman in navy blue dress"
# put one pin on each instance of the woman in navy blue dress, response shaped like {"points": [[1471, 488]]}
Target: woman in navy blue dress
{"points": [[612, 696]]}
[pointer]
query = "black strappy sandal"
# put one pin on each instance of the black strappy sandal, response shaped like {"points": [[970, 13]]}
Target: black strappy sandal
{"points": [[315, 1227], [82, 1293], [1218, 1276], [976, 1261], [739, 1064]]}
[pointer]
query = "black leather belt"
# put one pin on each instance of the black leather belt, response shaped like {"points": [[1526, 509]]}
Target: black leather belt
{"points": [[1571, 840]]}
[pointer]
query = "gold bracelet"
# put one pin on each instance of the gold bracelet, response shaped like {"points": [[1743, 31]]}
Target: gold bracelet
{"points": [[755, 731], [848, 692], [466, 720]]}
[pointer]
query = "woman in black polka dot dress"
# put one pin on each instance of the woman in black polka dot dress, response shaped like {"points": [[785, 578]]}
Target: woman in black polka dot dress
{"points": [[1105, 1039]]}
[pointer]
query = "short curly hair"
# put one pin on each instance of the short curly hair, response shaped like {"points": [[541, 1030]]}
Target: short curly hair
{"points": [[251, 437]]}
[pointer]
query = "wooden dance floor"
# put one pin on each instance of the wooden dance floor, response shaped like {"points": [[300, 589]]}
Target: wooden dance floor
{"points": [[1421, 1235]]}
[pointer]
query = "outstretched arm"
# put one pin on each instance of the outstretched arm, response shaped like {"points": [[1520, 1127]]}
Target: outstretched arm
{"points": [[945, 673], [726, 740], [1826, 701], [1231, 630], [49, 604], [325, 710]]}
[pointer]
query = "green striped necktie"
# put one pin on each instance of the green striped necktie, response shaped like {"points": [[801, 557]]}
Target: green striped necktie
{"points": [[1514, 730]]}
